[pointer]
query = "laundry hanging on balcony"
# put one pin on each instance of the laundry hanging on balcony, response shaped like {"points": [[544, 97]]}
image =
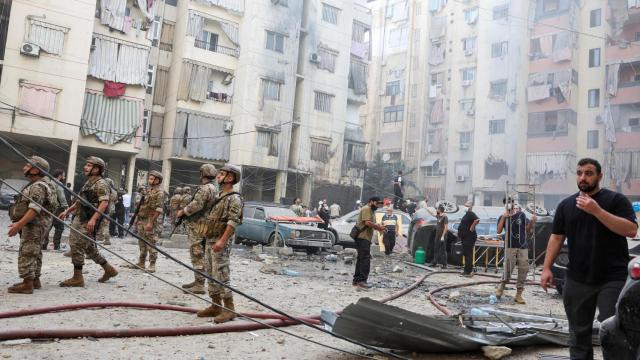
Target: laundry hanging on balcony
{"points": [[111, 120], [117, 61], [196, 23]]}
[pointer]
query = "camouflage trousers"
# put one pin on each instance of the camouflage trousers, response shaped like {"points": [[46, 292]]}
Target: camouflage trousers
{"points": [[102, 234], [81, 247], [196, 250], [150, 236], [217, 266], [45, 235], [30, 252]]}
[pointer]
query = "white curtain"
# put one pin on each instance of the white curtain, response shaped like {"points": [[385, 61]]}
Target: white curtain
{"points": [[148, 11], [179, 133], [231, 30], [103, 59], [131, 67], [195, 24], [112, 13], [613, 76], [49, 37]]}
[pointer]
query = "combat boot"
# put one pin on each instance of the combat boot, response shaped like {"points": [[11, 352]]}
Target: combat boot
{"points": [[36, 283], [109, 272], [519, 299], [198, 288], [152, 266], [76, 281], [500, 290], [25, 287], [190, 285], [139, 265], [227, 314], [213, 310]]}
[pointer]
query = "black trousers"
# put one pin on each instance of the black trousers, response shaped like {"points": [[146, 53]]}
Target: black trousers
{"points": [[580, 302], [114, 229], [467, 252], [440, 253], [363, 261], [389, 240], [57, 235], [397, 201]]}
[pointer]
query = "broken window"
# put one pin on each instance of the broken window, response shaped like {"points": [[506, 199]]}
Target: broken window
{"points": [[495, 168], [319, 151], [274, 41], [393, 114], [358, 73], [550, 123], [267, 140], [594, 57], [355, 154], [270, 90], [627, 165], [593, 137], [330, 14], [500, 11], [393, 88], [499, 49], [323, 102], [496, 126], [594, 98], [498, 90]]}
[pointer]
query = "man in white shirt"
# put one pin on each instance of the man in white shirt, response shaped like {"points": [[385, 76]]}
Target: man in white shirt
{"points": [[334, 211], [126, 200]]}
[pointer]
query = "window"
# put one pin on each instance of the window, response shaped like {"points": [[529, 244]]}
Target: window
{"points": [[207, 41], [500, 11], [411, 149], [145, 124], [330, 14], [498, 90], [323, 102], [496, 127], [595, 18], [637, 36], [270, 90], [171, 2], [156, 28], [468, 106], [275, 41], [49, 37], [150, 79], [327, 59], [551, 123], [166, 38], [594, 57], [462, 169], [398, 37], [550, 5], [319, 151], [471, 15], [468, 75], [499, 49], [393, 114], [594, 98], [268, 140], [259, 214], [393, 88], [468, 46], [433, 170], [593, 136], [464, 141]]}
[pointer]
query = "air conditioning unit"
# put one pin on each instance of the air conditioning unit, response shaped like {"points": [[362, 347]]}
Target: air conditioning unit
{"points": [[30, 49], [227, 79], [464, 146], [461, 178], [466, 83], [314, 58], [228, 126]]}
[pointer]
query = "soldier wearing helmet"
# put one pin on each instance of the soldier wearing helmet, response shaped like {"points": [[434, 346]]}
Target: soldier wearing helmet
{"points": [[31, 221], [221, 223], [148, 222], [194, 212], [174, 203], [96, 192], [103, 234]]}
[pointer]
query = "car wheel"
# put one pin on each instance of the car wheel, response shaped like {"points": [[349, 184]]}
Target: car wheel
{"points": [[313, 251], [272, 240]]}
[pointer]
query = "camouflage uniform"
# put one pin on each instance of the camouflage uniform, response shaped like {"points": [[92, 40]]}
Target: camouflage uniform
{"points": [[102, 234], [201, 203], [48, 222], [32, 234], [94, 192], [174, 206], [185, 199], [227, 211], [153, 202]]}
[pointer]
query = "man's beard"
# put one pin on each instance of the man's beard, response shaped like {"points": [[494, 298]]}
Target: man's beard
{"points": [[587, 188]]}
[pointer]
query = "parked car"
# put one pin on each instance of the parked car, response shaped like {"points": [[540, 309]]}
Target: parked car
{"points": [[259, 227], [342, 226], [7, 194], [620, 334]]}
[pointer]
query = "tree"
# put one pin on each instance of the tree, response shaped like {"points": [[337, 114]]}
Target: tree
{"points": [[378, 177]]}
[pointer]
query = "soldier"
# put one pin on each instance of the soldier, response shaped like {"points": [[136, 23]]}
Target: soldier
{"points": [[174, 203], [31, 222], [195, 211], [148, 223], [103, 234], [95, 191], [184, 201], [219, 226]]}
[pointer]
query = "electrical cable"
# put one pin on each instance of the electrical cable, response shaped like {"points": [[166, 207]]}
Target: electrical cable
{"points": [[205, 275]]}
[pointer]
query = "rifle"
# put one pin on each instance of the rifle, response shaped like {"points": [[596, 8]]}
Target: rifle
{"points": [[176, 225], [135, 213]]}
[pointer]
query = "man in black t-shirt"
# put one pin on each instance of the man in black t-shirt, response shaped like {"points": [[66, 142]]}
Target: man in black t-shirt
{"points": [[595, 223], [467, 234], [440, 246]]}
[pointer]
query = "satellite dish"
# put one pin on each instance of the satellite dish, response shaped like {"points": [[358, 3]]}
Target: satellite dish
{"points": [[449, 207], [386, 157]]}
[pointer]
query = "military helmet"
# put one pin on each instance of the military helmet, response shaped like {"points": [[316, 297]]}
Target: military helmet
{"points": [[156, 174], [208, 170], [186, 189], [94, 160], [110, 182], [235, 170], [37, 161], [178, 190]]}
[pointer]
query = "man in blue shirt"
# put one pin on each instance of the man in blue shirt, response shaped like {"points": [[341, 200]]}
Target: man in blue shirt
{"points": [[517, 247]]}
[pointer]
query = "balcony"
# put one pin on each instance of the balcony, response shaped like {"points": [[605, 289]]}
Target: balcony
{"points": [[220, 97], [214, 47]]}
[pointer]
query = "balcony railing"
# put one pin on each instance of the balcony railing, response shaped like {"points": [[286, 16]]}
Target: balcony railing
{"points": [[213, 47], [220, 97]]}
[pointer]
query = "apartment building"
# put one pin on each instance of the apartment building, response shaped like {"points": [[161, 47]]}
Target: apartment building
{"points": [[167, 85], [471, 95]]}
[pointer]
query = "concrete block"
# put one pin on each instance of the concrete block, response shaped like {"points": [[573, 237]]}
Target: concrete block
{"points": [[287, 251]]}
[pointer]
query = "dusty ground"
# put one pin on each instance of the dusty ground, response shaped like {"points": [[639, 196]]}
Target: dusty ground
{"points": [[320, 285]]}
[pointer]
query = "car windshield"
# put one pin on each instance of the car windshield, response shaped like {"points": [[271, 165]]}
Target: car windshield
{"points": [[276, 211]]}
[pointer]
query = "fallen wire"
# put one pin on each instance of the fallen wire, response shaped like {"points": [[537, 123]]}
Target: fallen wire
{"points": [[197, 271]]}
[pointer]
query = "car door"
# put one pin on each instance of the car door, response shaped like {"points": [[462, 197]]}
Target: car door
{"points": [[260, 231], [244, 229]]}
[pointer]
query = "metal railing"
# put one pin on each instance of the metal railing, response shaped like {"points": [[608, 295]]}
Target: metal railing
{"points": [[206, 45], [220, 97]]}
